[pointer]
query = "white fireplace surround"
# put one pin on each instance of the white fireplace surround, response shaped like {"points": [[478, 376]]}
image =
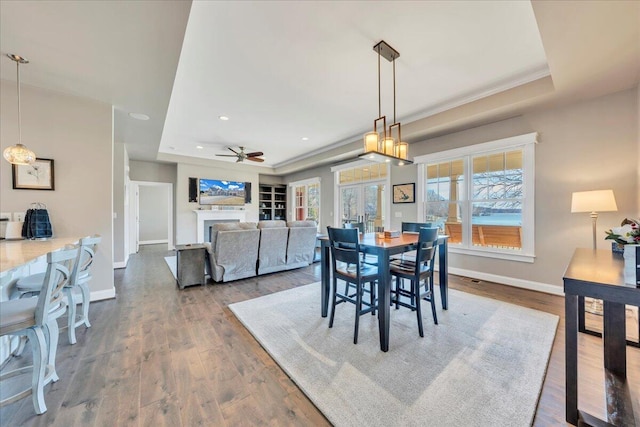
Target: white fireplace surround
{"points": [[218, 215]]}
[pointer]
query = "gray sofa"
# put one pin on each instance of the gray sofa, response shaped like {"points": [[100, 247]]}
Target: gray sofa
{"points": [[245, 249]]}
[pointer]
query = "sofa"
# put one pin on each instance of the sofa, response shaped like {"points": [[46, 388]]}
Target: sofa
{"points": [[239, 250]]}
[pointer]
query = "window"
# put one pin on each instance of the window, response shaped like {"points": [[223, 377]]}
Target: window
{"points": [[306, 203], [482, 196]]}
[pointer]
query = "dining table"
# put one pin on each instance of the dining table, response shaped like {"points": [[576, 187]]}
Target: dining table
{"points": [[384, 248]]}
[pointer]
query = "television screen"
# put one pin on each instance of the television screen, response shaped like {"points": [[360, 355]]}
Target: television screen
{"points": [[225, 193]]}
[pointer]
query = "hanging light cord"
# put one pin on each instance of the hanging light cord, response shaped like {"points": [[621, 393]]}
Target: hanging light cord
{"points": [[379, 98], [394, 89], [19, 124]]}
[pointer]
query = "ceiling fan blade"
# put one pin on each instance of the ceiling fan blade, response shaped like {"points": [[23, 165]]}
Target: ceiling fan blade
{"points": [[255, 159], [233, 150], [255, 154], [239, 160], [226, 155]]}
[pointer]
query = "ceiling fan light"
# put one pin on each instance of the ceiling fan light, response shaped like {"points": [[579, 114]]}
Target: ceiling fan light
{"points": [[19, 155]]}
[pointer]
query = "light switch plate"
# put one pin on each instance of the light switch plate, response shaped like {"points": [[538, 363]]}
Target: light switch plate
{"points": [[18, 216], [398, 214]]}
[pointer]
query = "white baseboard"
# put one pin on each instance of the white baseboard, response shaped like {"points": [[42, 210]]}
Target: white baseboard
{"points": [[510, 281], [121, 264], [153, 242], [102, 295]]}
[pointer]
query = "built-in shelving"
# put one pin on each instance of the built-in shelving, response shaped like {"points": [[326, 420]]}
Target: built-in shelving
{"points": [[273, 202]]}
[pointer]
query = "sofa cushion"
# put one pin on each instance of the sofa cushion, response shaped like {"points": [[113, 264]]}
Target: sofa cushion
{"points": [[302, 224], [273, 249], [228, 226], [272, 224]]}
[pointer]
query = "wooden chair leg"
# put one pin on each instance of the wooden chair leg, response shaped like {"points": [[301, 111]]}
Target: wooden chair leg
{"points": [[333, 302], [51, 333], [71, 316], [39, 367], [432, 299], [372, 299], [86, 300], [358, 310], [415, 296]]}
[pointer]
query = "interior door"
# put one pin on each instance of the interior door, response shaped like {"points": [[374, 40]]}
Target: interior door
{"points": [[351, 204]]}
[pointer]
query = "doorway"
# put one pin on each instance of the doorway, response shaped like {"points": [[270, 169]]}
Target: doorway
{"points": [[363, 203], [151, 214]]}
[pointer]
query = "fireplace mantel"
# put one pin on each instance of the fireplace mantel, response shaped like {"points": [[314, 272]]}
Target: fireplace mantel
{"points": [[217, 215]]}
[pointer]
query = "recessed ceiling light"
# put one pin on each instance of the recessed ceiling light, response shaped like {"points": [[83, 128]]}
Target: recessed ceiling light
{"points": [[304, 138], [199, 147], [225, 118], [139, 116]]}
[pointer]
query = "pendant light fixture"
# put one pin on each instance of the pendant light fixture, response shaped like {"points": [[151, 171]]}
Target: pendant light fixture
{"points": [[19, 154], [385, 145]]}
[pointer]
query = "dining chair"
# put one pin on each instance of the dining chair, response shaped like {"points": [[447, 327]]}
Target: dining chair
{"points": [[346, 266], [80, 277], [417, 271], [411, 227], [37, 319], [367, 259]]}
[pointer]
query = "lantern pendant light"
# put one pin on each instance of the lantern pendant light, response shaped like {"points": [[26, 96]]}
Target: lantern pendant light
{"points": [[382, 145], [19, 154]]}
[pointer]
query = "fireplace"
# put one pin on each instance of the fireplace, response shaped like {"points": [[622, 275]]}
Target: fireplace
{"points": [[204, 220]]}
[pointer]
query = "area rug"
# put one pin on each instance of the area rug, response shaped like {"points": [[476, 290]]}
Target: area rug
{"points": [[483, 364], [172, 264]]}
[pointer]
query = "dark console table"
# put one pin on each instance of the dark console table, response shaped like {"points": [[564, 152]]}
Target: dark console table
{"points": [[599, 274], [190, 264]]}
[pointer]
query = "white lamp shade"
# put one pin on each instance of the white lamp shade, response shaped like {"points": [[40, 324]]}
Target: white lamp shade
{"points": [[371, 142], [19, 155], [593, 201]]}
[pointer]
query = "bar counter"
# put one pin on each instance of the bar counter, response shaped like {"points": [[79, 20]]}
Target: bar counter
{"points": [[16, 253]]}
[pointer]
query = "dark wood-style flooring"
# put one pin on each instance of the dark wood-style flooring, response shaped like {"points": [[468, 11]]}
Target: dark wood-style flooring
{"points": [[158, 356]]}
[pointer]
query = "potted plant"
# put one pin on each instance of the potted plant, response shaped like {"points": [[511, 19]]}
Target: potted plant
{"points": [[627, 238]]}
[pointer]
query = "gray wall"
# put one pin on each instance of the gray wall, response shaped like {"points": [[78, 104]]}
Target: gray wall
{"points": [[153, 214], [584, 146], [77, 133], [152, 172]]}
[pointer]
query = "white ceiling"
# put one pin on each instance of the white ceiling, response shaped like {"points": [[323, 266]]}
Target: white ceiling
{"points": [[286, 70]]}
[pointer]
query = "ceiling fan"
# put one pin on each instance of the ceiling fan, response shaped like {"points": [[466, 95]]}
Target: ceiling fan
{"points": [[242, 156]]}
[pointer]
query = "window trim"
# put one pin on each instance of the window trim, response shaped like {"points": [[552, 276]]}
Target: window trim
{"points": [[305, 183], [524, 142]]}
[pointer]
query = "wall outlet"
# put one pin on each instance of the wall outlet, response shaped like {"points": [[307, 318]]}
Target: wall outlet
{"points": [[6, 215], [398, 214], [18, 216]]}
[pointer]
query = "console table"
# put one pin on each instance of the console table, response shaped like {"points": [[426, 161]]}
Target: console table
{"points": [[599, 274]]}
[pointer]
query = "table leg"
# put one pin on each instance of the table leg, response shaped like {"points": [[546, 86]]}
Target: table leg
{"points": [[384, 298], [443, 265], [324, 274], [615, 352], [571, 357]]}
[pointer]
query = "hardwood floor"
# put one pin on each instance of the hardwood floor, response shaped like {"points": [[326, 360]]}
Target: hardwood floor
{"points": [[160, 356]]}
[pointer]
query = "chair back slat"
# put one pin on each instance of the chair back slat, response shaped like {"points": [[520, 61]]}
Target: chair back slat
{"points": [[414, 227], [56, 277], [427, 246], [344, 245], [357, 225], [88, 247]]}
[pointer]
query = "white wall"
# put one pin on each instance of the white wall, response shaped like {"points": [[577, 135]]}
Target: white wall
{"points": [[185, 217], [78, 134], [153, 213]]}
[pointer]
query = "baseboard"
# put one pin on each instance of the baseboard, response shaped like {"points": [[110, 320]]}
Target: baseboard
{"points": [[121, 264], [153, 242], [510, 281], [102, 295]]}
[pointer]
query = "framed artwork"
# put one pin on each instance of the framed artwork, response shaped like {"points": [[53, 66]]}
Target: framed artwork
{"points": [[36, 176], [404, 193]]}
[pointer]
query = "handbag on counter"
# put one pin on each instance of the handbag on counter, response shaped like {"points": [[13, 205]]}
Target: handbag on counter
{"points": [[36, 223]]}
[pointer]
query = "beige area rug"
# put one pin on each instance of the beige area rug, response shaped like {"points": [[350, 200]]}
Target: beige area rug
{"points": [[482, 365]]}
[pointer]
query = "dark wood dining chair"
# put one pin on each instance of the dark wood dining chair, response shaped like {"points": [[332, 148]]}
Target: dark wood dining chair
{"points": [[417, 272], [367, 259], [346, 266], [411, 227]]}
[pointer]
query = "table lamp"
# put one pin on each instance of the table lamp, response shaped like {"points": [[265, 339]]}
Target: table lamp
{"points": [[594, 202]]}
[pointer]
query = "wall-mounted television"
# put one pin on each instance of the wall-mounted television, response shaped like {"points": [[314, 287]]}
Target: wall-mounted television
{"points": [[222, 193]]}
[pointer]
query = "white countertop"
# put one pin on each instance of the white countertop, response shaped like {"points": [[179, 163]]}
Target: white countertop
{"points": [[15, 253]]}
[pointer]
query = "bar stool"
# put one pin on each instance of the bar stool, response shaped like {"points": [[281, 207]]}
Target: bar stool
{"points": [[80, 276], [35, 318]]}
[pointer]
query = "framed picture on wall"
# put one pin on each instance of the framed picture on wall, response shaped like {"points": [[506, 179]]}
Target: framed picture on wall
{"points": [[36, 176], [404, 193]]}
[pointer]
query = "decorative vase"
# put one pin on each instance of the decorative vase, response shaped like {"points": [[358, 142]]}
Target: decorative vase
{"points": [[617, 248], [630, 264]]}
